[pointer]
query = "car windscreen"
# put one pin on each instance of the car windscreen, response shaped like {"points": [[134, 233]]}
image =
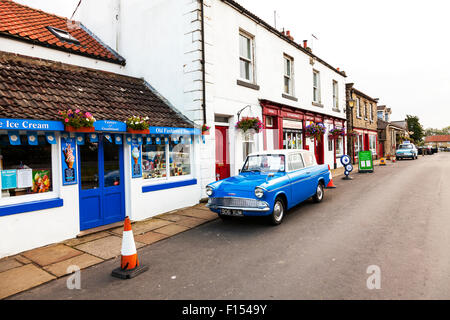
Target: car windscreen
{"points": [[406, 146], [265, 163]]}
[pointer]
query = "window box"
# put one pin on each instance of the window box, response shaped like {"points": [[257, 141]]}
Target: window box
{"points": [[82, 129], [146, 131]]}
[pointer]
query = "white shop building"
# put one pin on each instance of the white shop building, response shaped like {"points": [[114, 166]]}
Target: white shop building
{"points": [[57, 181]]}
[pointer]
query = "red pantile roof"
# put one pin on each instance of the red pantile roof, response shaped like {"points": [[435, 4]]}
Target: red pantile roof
{"points": [[27, 24], [32, 88], [441, 138]]}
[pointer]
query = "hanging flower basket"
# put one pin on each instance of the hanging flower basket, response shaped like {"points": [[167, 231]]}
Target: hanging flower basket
{"points": [[315, 131], [336, 133], [352, 135], [250, 123], [205, 130], [138, 125], [77, 121]]}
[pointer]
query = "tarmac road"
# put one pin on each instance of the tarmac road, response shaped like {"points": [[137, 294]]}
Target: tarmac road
{"points": [[397, 218]]}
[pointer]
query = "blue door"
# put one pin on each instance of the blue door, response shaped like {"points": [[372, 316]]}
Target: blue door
{"points": [[101, 183]]}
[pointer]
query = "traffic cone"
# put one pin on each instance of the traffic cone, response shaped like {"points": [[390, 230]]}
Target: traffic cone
{"points": [[129, 262], [330, 184]]}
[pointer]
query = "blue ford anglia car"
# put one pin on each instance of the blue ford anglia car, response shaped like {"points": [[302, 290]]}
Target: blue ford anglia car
{"points": [[269, 183]]}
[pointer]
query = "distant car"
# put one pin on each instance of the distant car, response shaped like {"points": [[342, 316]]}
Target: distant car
{"points": [[406, 150], [269, 184]]}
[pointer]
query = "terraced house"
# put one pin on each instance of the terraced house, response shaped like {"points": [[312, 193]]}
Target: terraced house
{"points": [[58, 181], [362, 119], [220, 63]]}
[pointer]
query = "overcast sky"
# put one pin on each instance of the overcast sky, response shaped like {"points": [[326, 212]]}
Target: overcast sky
{"points": [[395, 50]]}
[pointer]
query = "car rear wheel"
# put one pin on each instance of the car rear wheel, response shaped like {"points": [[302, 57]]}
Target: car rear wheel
{"points": [[319, 193], [278, 212]]}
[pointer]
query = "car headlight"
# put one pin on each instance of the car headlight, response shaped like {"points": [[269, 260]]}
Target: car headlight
{"points": [[259, 192], [209, 191]]}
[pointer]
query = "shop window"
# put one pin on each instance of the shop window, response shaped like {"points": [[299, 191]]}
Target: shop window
{"points": [[179, 159], [269, 122], [25, 169], [292, 139], [166, 160], [330, 144], [339, 145]]}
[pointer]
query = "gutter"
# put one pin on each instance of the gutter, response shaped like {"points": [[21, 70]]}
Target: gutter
{"points": [[203, 61]]}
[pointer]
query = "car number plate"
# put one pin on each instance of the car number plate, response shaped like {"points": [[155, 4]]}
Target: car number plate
{"points": [[230, 212]]}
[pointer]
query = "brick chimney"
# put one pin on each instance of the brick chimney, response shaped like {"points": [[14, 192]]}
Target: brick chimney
{"points": [[288, 34]]}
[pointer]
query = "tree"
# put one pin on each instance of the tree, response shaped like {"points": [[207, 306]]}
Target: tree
{"points": [[437, 132], [415, 127]]}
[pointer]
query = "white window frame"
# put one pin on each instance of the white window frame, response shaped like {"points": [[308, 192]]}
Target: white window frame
{"points": [[316, 89], [251, 61], [335, 95], [358, 108], [290, 76], [365, 111], [56, 169], [168, 178], [370, 112]]}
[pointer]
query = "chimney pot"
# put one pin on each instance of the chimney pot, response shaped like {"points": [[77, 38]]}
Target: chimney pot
{"points": [[305, 43]]}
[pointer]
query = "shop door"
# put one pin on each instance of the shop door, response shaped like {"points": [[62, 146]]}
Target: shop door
{"points": [[222, 163], [101, 183], [318, 150], [366, 142]]}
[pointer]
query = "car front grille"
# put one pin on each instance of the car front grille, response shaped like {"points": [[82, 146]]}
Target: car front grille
{"points": [[235, 202]]}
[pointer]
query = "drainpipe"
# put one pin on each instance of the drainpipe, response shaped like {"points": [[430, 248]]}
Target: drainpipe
{"points": [[203, 61]]}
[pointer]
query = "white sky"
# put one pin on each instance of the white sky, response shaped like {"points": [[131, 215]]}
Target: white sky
{"points": [[395, 50]]}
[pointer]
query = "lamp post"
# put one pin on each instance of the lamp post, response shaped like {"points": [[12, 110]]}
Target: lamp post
{"points": [[351, 104]]}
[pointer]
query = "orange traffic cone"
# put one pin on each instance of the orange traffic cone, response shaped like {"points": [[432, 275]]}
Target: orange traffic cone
{"points": [[330, 184], [129, 262]]}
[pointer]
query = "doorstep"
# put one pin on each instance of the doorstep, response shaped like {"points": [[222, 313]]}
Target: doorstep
{"points": [[37, 266]]}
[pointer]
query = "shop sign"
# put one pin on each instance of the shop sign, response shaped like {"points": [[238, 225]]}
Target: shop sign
{"points": [[168, 130], [110, 125], [68, 161], [136, 161], [292, 115], [21, 124], [365, 161]]}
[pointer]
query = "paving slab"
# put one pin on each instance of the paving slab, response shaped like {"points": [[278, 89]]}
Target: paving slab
{"points": [[191, 222], [150, 237], [105, 248], [171, 229], [22, 259], [22, 278], [82, 261], [199, 213], [51, 254], [9, 263], [141, 227], [87, 238], [171, 217], [201, 206]]}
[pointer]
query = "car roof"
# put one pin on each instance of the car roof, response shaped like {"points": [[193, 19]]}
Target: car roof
{"points": [[279, 151]]}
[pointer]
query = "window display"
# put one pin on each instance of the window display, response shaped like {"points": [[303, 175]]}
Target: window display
{"points": [[25, 168], [177, 153], [179, 159], [292, 139], [154, 161]]}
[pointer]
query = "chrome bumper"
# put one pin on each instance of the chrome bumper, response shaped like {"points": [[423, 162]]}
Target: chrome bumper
{"points": [[238, 204]]}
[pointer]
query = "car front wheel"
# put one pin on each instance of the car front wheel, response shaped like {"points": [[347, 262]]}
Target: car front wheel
{"points": [[278, 212], [319, 193]]}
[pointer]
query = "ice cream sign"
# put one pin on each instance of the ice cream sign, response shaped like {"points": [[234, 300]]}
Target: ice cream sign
{"points": [[68, 157], [21, 124], [136, 162]]}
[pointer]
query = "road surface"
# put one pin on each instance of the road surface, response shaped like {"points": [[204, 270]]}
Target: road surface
{"points": [[397, 218]]}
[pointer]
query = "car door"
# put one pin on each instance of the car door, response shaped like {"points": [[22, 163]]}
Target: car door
{"points": [[299, 177]]}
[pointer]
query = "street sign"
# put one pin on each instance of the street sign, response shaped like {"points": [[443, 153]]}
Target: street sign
{"points": [[365, 162]]}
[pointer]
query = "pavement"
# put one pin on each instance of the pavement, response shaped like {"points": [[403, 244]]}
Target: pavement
{"points": [[36, 267]]}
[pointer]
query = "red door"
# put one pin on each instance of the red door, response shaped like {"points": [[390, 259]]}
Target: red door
{"points": [[366, 142], [222, 157], [318, 150]]}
